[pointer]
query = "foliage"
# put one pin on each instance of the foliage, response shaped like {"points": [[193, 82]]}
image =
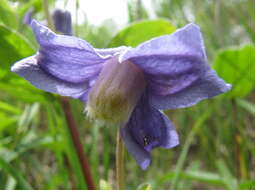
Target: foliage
{"points": [[217, 136], [237, 67], [141, 31]]}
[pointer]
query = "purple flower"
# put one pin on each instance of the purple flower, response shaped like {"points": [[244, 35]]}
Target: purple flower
{"points": [[62, 21], [127, 86], [28, 16]]}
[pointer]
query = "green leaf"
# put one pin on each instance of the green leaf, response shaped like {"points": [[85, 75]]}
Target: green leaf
{"points": [[247, 184], [142, 31], [144, 187], [23, 90], [229, 181], [183, 156], [248, 106], [198, 175], [237, 66], [13, 47], [9, 108], [7, 16], [24, 185], [104, 185]]}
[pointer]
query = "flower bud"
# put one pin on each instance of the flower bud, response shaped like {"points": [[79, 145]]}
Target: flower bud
{"points": [[28, 16], [116, 92], [62, 21]]}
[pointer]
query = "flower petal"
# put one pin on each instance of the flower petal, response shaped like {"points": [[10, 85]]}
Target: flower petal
{"points": [[176, 69], [141, 156], [149, 128], [171, 138], [161, 55], [66, 57], [207, 86], [171, 62], [31, 71]]}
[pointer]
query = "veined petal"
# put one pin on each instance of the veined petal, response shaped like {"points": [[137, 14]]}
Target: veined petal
{"points": [[171, 62], [176, 69], [149, 128], [208, 86], [185, 43], [31, 71], [66, 57], [171, 138], [141, 156]]}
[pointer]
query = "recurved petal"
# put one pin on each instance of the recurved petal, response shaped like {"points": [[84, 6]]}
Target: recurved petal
{"points": [[149, 128], [159, 55], [171, 138], [171, 62], [31, 71], [207, 86], [141, 156], [66, 57]]}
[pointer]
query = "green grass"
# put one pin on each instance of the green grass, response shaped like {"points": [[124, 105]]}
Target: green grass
{"points": [[217, 136]]}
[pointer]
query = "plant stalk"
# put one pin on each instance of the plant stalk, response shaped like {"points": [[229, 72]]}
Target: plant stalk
{"points": [[77, 5], [47, 14], [119, 163], [77, 144], [71, 122]]}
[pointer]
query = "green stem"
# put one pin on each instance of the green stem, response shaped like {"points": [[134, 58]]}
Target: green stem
{"points": [[119, 163], [186, 146], [85, 167], [76, 17], [74, 134], [47, 14]]}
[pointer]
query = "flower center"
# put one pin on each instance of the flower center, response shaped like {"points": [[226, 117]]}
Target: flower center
{"points": [[116, 92]]}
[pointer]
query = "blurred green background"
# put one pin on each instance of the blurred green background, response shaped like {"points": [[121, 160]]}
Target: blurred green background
{"points": [[217, 136]]}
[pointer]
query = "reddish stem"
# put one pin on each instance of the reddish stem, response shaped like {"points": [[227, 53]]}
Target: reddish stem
{"points": [[77, 143]]}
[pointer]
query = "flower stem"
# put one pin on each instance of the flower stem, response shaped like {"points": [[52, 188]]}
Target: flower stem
{"points": [[77, 144], [71, 122], [181, 161], [77, 5], [47, 13], [119, 163], [241, 168]]}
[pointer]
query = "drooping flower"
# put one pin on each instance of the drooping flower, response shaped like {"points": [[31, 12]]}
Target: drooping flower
{"points": [[62, 21], [127, 86]]}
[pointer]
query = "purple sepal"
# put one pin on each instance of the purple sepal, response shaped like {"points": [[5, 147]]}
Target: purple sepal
{"points": [[141, 156], [148, 128], [66, 57], [176, 69], [208, 86], [31, 71]]}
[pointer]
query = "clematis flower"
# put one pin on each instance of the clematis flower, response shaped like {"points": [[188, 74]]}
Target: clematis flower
{"points": [[62, 21], [127, 86]]}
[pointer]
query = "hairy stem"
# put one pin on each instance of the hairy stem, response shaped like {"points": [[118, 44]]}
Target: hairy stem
{"points": [[119, 163], [77, 144]]}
